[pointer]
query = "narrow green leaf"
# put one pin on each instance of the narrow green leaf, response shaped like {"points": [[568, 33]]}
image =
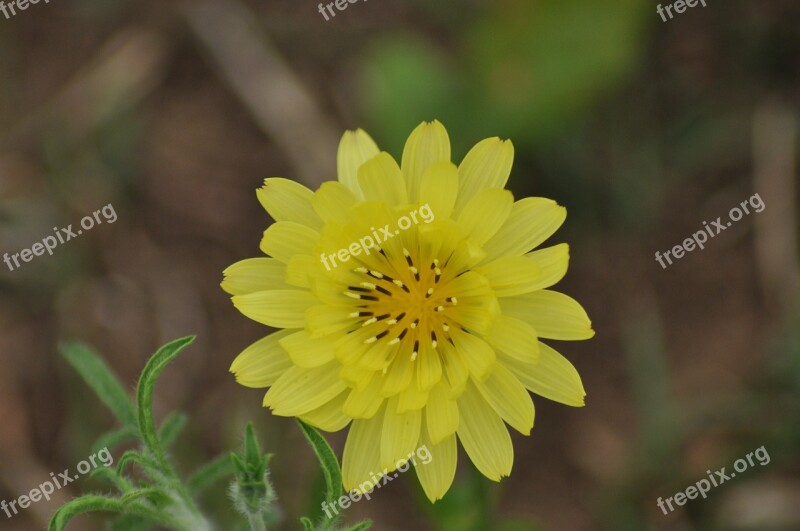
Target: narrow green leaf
{"points": [[84, 504], [146, 464], [330, 465], [171, 428], [307, 524], [144, 393], [153, 494], [109, 475], [99, 377], [210, 473], [361, 526]]}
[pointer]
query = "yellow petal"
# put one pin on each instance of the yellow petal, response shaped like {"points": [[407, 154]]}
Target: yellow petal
{"points": [[477, 354], [280, 308], [429, 367], [328, 416], [436, 467], [260, 364], [364, 403], [487, 165], [484, 436], [381, 180], [426, 145], [306, 351], [552, 262], [456, 369], [412, 398], [399, 435], [332, 202], [485, 214], [284, 239], [554, 377], [286, 200], [441, 414], [399, 375], [532, 221], [254, 274], [300, 390], [355, 148], [512, 275], [361, 457], [508, 397], [553, 314], [515, 338], [300, 269], [322, 319], [439, 188]]}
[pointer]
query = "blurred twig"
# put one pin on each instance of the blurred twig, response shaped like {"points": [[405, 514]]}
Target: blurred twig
{"points": [[280, 104], [127, 68], [774, 154]]}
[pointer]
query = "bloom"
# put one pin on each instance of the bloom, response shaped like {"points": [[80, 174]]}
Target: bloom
{"points": [[432, 336]]}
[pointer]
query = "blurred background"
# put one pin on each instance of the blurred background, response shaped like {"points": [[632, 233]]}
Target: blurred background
{"points": [[174, 112]]}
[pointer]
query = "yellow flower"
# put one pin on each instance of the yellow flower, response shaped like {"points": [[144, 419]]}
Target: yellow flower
{"points": [[432, 333]]}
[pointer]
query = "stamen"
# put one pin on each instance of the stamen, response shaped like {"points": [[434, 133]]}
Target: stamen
{"points": [[369, 321], [382, 334], [354, 314], [361, 270], [383, 290], [384, 316], [369, 285], [440, 308], [371, 340], [391, 322], [416, 350], [375, 274], [352, 295], [446, 327], [453, 300], [433, 339], [394, 341], [415, 323]]}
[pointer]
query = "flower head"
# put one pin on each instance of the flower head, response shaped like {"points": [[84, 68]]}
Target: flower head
{"points": [[412, 305]]}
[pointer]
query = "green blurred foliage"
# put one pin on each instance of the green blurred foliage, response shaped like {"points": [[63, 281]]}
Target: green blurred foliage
{"points": [[523, 69]]}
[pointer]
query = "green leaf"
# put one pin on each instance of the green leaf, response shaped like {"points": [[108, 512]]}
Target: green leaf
{"points": [[109, 475], [94, 503], [171, 428], [99, 377], [307, 524], [361, 526], [153, 494], [84, 504], [330, 465], [147, 464], [144, 393], [210, 473]]}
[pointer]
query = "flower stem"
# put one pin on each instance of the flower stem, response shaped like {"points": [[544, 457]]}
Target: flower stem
{"points": [[256, 522]]}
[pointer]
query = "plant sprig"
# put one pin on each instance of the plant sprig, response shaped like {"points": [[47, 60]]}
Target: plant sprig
{"points": [[163, 498]]}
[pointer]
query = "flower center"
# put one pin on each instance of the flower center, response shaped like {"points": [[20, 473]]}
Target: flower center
{"points": [[407, 301]]}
